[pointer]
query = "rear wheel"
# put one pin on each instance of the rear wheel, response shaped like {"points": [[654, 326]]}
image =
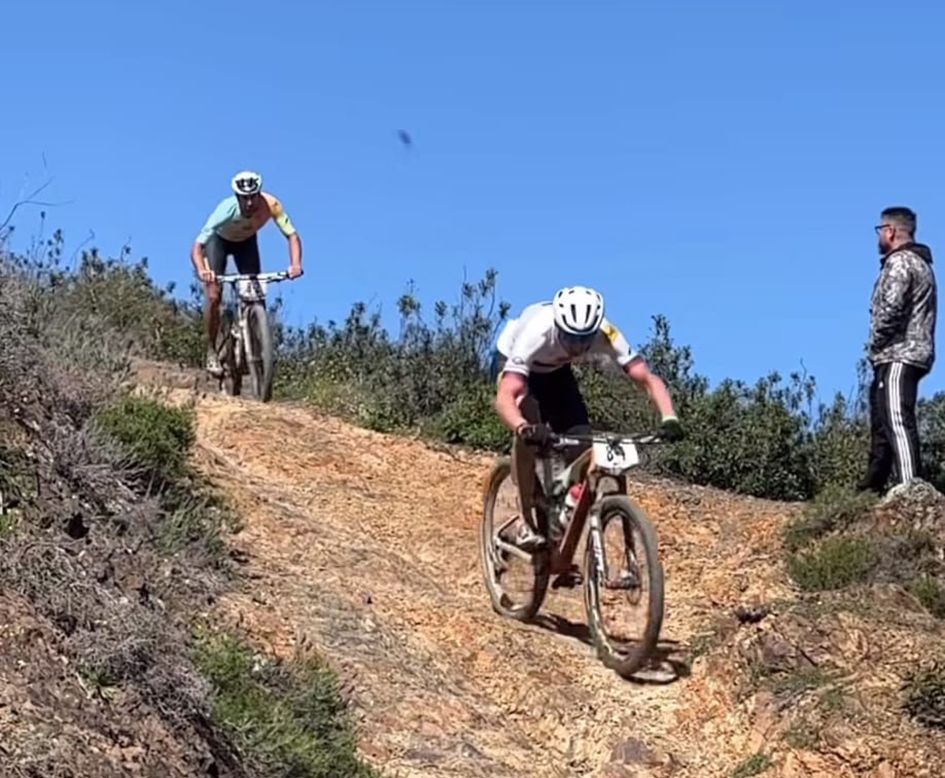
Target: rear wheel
{"points": [[517, 580], [624, 587], [260, 351]]}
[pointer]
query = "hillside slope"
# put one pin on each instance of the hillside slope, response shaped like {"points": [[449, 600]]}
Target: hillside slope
{"points": [[365, 546]]}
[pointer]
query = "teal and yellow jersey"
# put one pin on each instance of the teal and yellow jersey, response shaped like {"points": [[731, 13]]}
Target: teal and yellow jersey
{"points": [[227, 221]]}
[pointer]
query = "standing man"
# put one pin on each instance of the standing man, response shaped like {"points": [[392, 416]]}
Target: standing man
{"points": [[901, 348], [231, 231]]}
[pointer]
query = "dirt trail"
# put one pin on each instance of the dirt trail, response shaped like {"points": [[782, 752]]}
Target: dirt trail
{"points": [[348, 550]]}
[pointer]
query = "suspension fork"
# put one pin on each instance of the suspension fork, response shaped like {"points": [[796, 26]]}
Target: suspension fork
{"points": [[244, 331], [595, 537]]}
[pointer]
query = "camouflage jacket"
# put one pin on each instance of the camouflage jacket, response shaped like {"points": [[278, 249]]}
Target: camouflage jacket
{"points": [[903, 308]]}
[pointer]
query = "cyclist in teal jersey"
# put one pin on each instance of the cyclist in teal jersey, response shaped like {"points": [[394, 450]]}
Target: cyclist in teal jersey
{"points": [[231, 231]]}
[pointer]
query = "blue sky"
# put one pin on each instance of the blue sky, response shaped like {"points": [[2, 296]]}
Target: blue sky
{"points": [[722, 163]]}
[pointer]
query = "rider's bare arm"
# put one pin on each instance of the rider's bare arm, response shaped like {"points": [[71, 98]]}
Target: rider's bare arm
{"points": [[199, 260], [512, 389], [295, 254], [284, 223], [221, 215], [639, 372]]}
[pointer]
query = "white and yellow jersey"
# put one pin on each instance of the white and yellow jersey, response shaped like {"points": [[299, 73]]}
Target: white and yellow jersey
{"points": [[530, 345]]}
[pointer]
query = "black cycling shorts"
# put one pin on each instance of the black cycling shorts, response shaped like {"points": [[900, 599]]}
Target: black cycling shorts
{"points": [[559, 400], [245, 254]]}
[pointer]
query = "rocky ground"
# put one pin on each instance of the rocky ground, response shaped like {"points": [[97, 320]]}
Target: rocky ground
{"points": [[365, 545]]}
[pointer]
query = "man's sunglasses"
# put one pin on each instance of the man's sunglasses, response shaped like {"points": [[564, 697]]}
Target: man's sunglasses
{"points": [[576, 343]]}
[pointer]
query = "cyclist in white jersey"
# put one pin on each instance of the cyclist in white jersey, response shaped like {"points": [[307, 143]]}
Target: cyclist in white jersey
{"points": [[537, 391]]}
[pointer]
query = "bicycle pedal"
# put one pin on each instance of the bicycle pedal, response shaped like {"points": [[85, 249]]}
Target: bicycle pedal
{"points": [[533, 545]]}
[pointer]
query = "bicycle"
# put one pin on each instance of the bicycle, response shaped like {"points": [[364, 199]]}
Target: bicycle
{"points": [[245, 341], [604, 463]]}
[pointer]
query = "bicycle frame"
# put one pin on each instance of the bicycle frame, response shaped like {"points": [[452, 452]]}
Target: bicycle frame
{"points": [[590, 474]]}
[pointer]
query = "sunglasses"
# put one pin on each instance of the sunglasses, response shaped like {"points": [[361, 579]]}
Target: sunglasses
{"points": [[576, 344]]}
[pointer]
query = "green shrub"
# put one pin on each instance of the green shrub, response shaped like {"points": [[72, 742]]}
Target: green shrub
{"points": [[925, 697], [753, 765], [156, 437], [764, 439], [289, 719], [833, 700], [17, 483], [752, 440], [835, 508], [471, 420], [122, 295], [195, 518], [835, 563], [802, 735], [434, 377], [799, 680], [930, 414], [930, 592], [839, 446]]}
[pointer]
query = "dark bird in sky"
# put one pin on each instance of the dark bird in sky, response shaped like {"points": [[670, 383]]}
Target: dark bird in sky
{"points": [[405, 138]]}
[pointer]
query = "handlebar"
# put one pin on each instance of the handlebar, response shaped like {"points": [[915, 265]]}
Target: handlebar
{"points": [[234, 278], [562, 441]]}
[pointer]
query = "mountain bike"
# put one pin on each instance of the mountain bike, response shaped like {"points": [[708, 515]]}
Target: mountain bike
{"points": [[621, 579], [245, 342]]}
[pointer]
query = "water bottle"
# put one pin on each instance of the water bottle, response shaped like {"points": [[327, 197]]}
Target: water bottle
{"points": [[570, 503]]}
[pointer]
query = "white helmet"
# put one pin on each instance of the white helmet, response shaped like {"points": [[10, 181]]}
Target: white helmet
{"points": [[578, 310], [247, 182]]}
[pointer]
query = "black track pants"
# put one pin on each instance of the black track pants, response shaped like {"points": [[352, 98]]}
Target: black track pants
{"points": [[894, 447]]}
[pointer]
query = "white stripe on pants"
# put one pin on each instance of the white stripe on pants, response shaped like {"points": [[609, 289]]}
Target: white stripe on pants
{"points": [[900, 437]]}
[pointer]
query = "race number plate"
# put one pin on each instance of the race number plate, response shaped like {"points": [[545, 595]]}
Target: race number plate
{"points": [[616, 458], [252, 290]]}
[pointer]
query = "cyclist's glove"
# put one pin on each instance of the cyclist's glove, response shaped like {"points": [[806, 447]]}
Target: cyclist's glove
{"points": [[535, 434], [671, 430]]}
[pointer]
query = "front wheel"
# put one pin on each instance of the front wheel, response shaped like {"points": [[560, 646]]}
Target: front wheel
{"points": [[259, 354], [623, 592], [517, 580]]}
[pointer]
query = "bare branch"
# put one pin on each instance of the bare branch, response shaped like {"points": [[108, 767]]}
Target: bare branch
{"points": [[79, 248], [30, 200]]}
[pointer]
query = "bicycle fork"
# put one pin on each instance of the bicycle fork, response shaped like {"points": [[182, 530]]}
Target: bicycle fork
{"points": [[239, 332], [596, 539], [628, 579]]}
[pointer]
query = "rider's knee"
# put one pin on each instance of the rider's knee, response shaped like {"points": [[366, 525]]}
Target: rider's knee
{"points": [[213, 294]]}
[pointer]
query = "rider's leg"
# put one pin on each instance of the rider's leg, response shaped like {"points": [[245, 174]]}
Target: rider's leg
{"points": [[563, 407], [246, 256], [216, 260], [212, 311], [528, 536], [523, 462], [523, 456]]}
